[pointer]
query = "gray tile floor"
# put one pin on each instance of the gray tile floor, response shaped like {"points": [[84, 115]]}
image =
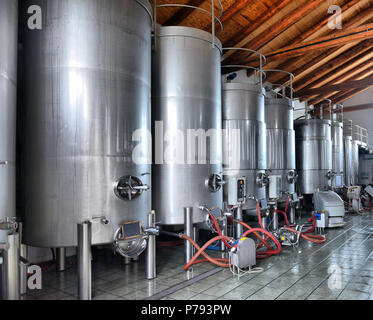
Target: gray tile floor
{"points": [[340, 269]]}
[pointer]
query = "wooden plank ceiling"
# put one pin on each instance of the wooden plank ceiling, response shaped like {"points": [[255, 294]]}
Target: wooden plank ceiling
{"points": [[294, 36]]}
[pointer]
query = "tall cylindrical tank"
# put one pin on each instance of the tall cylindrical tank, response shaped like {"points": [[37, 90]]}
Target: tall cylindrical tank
{"points": [[338, 154], [187, 114], [244, 119], [87, 90], [8, 97], [281, 140], [313, 154], [348, 162], [355, 161]]}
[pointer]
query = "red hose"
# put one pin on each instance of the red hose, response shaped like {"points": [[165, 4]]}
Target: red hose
{"points": [[312, 237], [216, 224], [202, 251], [270, 236]]}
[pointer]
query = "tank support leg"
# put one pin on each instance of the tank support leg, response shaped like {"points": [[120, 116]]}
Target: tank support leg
{"points": [[292, 214], [151, 250], [188, 231], [10, 272], [239, 228], [60, 259], [23, 266], [23, 270], [224, 231], [127, 261], [275, 218], [84, 261]]}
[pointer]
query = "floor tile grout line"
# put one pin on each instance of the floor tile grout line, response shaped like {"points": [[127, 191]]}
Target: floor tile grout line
{"points": [[359, 268], [299, 263]]}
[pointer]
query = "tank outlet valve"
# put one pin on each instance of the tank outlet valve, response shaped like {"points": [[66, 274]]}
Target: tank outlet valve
{"points": [[214, 183], [262, 179], [129, 188], [292, 176]]}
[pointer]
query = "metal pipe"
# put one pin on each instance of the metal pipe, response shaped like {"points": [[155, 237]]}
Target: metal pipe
{"points": [[135, 258], [224, 232], [84, 261], [188, 231], [151, 253], [23, 266], [60, 259], [23, 270], [275, 218], [127, 260], [239, 228], [10, 272], [292, 214]]}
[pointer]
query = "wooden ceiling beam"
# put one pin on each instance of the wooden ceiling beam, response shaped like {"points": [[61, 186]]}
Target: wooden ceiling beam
{"points": [[362, 70], [339, 96], [349, 95], [365, 73], [334, 71], [355, 51], [337, 39], [357, 20], [355, 84], [279, 27], [231, 12], [182, 13]]}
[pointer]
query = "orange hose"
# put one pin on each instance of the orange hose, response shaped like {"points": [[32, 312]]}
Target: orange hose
{"points": [[202, 251], [312, 238], [216, 224], [263, 241]]}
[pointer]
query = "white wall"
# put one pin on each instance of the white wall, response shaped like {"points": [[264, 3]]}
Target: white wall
{"points": [[362, 118]]}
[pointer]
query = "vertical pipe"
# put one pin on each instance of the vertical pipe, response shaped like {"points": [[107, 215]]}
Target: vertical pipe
{"points": [[10, 272], [60, 259], [275, 218], [239, 216], [224, 231], [135, 258], [127, 260], [292, 214], [23, 266], [151, 254], [188, 231], [84, 261]]}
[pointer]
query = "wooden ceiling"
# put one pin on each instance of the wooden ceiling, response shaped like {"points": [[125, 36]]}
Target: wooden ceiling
{"points": [[294, 36]]}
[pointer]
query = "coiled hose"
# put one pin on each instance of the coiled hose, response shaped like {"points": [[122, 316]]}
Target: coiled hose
{"points": [[224, 263]]}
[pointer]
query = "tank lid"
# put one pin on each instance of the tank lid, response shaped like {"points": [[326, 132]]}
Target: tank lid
{"points": [[188, 32], [231, 86], [147, 6]]}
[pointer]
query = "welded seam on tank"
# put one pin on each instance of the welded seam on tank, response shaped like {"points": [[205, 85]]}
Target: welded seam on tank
{"points": [[184, 284]]}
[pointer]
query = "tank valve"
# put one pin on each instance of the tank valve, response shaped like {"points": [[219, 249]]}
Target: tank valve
{"points": [[262, 179], [128, 188], [214, 183]]}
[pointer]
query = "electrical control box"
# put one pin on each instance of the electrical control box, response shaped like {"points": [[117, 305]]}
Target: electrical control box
{"points": [[275, 187], [245, 254], [236, 191]]}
